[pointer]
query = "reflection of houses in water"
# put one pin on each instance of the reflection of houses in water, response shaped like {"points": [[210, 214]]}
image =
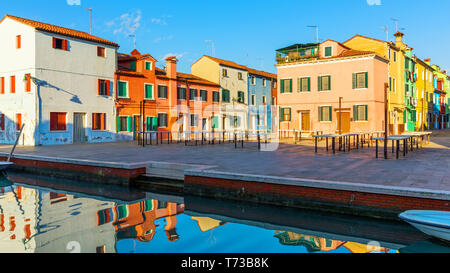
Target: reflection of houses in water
{"points": [[315, 244], [66, 222], [17, 219], [137, 221], [207, 223]]}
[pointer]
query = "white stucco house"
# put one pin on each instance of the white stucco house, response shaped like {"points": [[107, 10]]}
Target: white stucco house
{"points": [[58, 82]]}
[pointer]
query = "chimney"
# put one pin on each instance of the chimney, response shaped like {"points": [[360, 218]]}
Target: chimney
{"points": [[399, 38], [427, 61], [171, 67]]}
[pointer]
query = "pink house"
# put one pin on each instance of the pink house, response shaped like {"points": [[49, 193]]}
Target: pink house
{"points": [[322, 84]]}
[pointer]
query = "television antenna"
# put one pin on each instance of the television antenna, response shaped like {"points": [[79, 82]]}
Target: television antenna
{"points": [[386, 30], [212, 47], [90, 17], [317, 32]]}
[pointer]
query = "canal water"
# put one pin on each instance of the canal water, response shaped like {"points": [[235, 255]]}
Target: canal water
{"points": [[42, 215]]}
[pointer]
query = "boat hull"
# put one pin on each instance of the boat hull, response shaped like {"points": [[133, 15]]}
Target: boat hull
{"points": [[433, 223], [5, 165]]}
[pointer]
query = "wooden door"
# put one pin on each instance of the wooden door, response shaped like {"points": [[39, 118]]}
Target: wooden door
{"points": [[345, 119], [79, 132], [305, 122]]}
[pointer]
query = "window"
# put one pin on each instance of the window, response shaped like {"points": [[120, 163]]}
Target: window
{"points": [[285, 114], [133, 65], [264, 100], [394, 85], [216, 96], [152, 123], [181, 93], [204, 95], [18, 42], [215, 122], [325, 113], [18, 122], [274, 84], [148, 65], [253, 80], [360, 80], [274, 101], [389, 53], [224, 73], [124, 124], [226, 95], [28, 83], [123, 89], [101, 52], [193, 94], [57, 121], [264, 82], [194, 120], [162, 91], [328, 51], [2, 122], [286, 86], [324, 83], [149, 91], [360, 112], [241, 97], [304, 84], [103, 87], [253, 100], [395, 56], [13, 84], [60, 44], [162, 120], [240, 76], [98, 121], [2, 85]]}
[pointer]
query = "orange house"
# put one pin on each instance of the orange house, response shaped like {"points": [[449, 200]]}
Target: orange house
{"points": [[153, 99]]}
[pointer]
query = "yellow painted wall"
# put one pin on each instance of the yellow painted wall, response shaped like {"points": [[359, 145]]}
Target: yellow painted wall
{"points": [[395, 71], [424, 88], [207, 69]]}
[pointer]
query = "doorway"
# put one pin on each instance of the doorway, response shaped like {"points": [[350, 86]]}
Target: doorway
{"points": [[79, 132], [305, 121], [343, 122]]}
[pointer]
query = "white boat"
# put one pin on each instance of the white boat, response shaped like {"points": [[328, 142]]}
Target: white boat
{"points": [[433, 223], [4, 165]]}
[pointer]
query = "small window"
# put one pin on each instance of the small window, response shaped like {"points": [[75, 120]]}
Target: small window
{"points": [[162, 120], [193, 94], [123, 89], [240, 76], [325, 113], [60, 44], [285, 114], [124, 124], [181, 93], [360, 112], [57, 121], [264, 100], [253, 99], [194, 120], [103, 88], [101, 52], [98, 121], [216, 96], [18, 42], [148, 66], [264, 82], [224, 73], [241, 97], [133, 65], [253, 80], [28, 83], [360, 80], [148, 91], [204, 95], [328, 51], [324, 83], [304, 84], [395, 56], [13, 84], [162, 91], [286, 86], [226, 96]]}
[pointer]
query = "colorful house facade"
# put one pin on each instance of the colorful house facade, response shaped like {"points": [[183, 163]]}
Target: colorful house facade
{"points": [[240, 87], [58, 82], [424, 94], [441, 90], [330, 87]]}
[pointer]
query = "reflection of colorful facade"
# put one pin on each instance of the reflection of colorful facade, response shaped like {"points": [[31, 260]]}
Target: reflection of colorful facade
{"points": [[207, 223], [17, 219], [441, 89], [137, 221], [315, 244]]}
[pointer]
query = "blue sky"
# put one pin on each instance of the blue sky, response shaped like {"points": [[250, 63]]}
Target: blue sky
{"points": [[245, 31]]}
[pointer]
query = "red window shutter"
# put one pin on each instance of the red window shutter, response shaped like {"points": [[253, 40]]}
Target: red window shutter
{"points": [[102, 121], [62, 121], [2, 87], [2, 122], [28, 84], [65, 47], [18, 122], [94, 121], [108, 84], [53, 121], [13, 84], [54, 42], [19, 42]]}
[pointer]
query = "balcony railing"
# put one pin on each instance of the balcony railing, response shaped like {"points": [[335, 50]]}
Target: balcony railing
{"points": [[294, 58]]}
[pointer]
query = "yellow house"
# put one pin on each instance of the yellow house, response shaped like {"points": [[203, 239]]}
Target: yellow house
{"points": [[396, 76], [424, 94]]}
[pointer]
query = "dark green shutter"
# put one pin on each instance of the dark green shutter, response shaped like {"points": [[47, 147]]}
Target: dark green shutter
{"points": [[319, 83], [118, 124], [149, 92], [129, 124], [299, 87], [367, 79], [133, 65], [154, 124], [330, 113], [354, 81], [309, 84], [365, 113], [355, 113], [404, 116], [290, 87], [281, 114], [281, 86]]}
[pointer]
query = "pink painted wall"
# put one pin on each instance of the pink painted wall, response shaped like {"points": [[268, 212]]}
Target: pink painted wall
{"points": [[341, 72]]}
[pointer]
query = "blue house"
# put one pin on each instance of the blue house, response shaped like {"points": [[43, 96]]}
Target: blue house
{"points": [[260, 86]]}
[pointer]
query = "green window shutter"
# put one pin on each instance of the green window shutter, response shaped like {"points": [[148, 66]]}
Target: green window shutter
{"points": [[118, 129], [133, 65], [129, 124], [404, 116], [154, 124], [354, 81], [320, 113], [122, 89], [365, 113], [149, 91], [282, 86], [355, 113], [309, 84], [330, 113], [319, 83], [299, 85], [367, 79], [290, 86], [149, 124], [281, 114], [329, 82]]}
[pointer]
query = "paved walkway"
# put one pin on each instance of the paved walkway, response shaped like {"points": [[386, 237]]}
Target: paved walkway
{"points": [[427, 168]]}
